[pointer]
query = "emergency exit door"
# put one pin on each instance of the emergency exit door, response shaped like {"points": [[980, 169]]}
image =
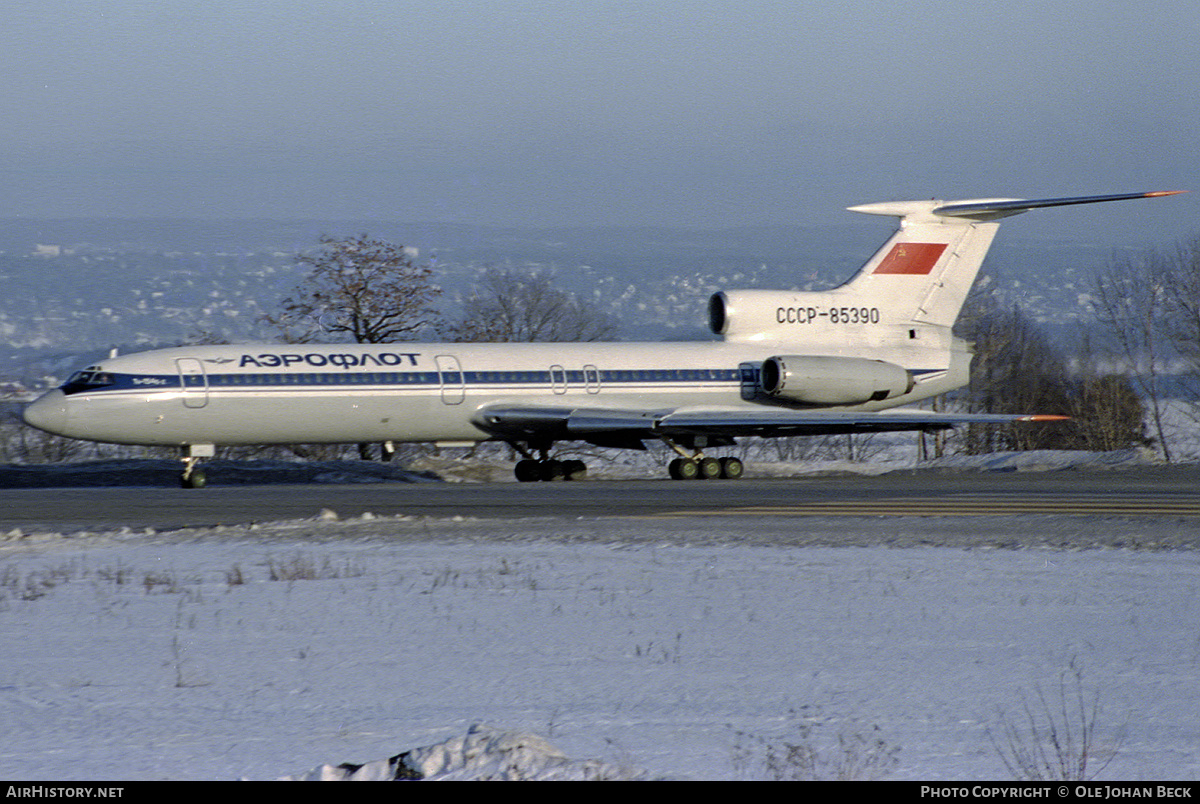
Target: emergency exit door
{"points": [[450, 375]]}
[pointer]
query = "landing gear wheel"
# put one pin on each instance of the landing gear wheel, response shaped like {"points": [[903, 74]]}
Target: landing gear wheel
{"points": [[552, 470], [709, 468], [527, 471], [574, 470], [195, 479], [683, 469], [731, 468]]}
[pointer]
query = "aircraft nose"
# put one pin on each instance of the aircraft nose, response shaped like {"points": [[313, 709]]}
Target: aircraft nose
{"points": [[48, 412]]}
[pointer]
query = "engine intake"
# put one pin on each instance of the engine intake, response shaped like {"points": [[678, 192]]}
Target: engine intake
{"points": [[745, 313], [825, 381]]}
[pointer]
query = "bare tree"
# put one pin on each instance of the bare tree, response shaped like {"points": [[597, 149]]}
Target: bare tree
{"points": [[1131, 300], [370, 291], [1183, 312], [364, 290], [1109, 414], [509, 306], [1015, 370]]}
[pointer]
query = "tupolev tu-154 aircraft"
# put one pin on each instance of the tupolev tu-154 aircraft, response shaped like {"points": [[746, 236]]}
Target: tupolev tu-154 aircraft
{"points": [[845, 360]]}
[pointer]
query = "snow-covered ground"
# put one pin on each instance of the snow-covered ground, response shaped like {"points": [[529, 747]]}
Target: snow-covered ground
{"points": [[268, 651]]}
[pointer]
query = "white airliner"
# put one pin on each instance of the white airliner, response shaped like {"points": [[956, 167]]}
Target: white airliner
{"points": [[789, 363]]}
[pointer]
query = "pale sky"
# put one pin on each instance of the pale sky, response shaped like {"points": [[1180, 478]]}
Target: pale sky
{"points": [[592, 113]]}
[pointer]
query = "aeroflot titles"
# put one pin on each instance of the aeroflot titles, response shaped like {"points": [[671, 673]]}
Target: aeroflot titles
{"points": [[343, 360]]}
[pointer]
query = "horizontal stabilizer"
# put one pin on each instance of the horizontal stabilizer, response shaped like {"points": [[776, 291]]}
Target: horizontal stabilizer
{"points": [[989, 209]]}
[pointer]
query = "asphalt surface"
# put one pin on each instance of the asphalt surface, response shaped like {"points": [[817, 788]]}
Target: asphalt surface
{"points": [[1165, 499]]}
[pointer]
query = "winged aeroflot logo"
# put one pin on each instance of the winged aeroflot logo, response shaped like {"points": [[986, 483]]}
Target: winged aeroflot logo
{"points": [[911, 258]]}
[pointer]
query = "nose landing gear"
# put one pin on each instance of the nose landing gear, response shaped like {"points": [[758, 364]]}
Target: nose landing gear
{"points": [[545, 468], [193, 476]]}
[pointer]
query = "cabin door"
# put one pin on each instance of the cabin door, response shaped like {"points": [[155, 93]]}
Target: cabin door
{"points": [[193, 381]]}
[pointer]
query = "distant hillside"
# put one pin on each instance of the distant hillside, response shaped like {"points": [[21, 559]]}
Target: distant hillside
{"points": [[75, 288]]}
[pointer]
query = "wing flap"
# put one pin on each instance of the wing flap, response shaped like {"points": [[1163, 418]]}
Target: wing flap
{"points": [[772, 423], [626, 424]]}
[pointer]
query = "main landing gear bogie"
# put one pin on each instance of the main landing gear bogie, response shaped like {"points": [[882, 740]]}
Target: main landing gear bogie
{"points": [[549, 470], [537, 465], [705, 469]]}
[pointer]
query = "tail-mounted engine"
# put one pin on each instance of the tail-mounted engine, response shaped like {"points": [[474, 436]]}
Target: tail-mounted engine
{"points": [[822, 381], [750, 315], [741, 313]]}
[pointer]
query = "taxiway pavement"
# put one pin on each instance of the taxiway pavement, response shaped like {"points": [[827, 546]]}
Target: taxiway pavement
{"points": [[1165, 499]]}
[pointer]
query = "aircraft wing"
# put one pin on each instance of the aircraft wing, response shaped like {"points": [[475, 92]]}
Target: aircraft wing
{"points": [[773, 422], [620, 426]]}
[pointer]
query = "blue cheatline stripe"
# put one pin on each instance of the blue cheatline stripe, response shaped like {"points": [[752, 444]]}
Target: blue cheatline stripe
{"points": [[151, 382], [403, 379]]}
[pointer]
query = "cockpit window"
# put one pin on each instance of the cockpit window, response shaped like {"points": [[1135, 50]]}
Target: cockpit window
{"points": [[89, 379]]}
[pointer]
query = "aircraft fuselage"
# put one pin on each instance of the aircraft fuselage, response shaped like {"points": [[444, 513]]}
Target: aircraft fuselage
{"points": [[789, 363], [409, 392]]}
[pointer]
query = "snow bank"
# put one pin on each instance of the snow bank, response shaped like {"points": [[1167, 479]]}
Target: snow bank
{"points": [[1029, 461], [484, 753], [1045, 460]]}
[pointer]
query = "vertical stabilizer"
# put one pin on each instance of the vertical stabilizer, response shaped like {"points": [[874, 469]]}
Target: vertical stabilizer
{"points": [[925, 271], [910, 291]]}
